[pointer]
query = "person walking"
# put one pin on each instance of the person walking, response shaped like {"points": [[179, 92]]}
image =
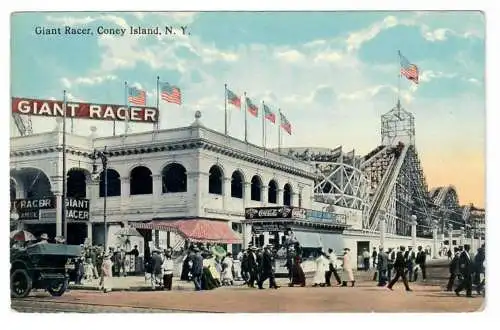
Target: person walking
{"points": [[107, 274], [347, 273], [382, 265], [374, 257], [332, 268], [399, 268], [321, 269], [409, 256], [227, 270], [197, 268], [267, 269], [390, 263], [420, 261], [252, 267], [454, 269], [156, 268], [466, 267], [168, 270], [366, 260], [479, 268]]}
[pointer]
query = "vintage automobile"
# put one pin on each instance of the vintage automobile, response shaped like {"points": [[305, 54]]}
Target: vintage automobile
{"points": [[41, 266]]}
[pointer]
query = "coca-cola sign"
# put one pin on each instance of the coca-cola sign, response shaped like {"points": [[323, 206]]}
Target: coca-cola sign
{"points": [[268, 212]]}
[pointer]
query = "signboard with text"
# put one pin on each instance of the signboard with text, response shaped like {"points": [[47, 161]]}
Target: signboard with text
{"points": [[77, 209], [84, 110]]}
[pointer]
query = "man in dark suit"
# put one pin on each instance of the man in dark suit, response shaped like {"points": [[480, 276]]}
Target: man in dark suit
{"points": [[454, 270], [156, 270], [267, 271], [390, 265], [399, 268], [466, 268], [252, 266], [420, 261], [409, 260], [197, 268], [382, 264]]}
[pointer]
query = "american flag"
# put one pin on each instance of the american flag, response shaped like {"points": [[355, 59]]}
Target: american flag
{"points": [[136, 96], [170, 93], [285, 124], [410, 71], [269, 115], [233, 99], [252, 108]]}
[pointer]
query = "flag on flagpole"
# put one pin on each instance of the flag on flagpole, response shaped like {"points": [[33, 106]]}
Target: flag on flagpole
{"points": [[170, 93], [268, 114], [409, 70], [233, 99], [285, 124], [252, 108], [136, 96]]}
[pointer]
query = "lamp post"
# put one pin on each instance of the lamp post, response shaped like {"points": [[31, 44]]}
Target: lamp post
{"points": [[434, 239], [450, 233], [414, 230], [103, 156]]}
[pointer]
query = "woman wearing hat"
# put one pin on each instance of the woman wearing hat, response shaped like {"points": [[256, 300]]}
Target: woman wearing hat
{"points": [[107, 273], [227, 269], [347, 275]]}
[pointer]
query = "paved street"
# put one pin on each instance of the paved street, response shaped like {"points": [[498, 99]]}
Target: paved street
{"points": [[365, 297]]}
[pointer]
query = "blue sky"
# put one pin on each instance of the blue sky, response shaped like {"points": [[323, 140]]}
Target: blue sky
{"points": [[333, 74]]}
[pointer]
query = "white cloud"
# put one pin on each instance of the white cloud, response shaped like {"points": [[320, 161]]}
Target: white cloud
{"points": [[357, 38], [436, 35], [328, 56], [89, 81], [428, 75], [73, 98], [291, 55], [367, 93]]}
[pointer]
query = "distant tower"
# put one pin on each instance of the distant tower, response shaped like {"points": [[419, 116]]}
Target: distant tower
{"points": [[398, 125]]}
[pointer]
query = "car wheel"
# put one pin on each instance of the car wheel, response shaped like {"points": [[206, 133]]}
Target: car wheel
{"points": [[58, 288], [20, 283]]}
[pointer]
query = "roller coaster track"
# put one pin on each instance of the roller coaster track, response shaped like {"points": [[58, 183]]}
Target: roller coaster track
{"points": [[22, 127], [385, 187]]}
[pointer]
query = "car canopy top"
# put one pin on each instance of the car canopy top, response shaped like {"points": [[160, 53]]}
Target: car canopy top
{"points": [[54, 249]]}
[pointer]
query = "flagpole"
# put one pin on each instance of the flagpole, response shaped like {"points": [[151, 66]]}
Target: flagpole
{"points": [[157, 124], [263, 127], [64, 192], [399, 81], [114, 120], [225, 109], [128, 110], [246, 110], [279, 133]]}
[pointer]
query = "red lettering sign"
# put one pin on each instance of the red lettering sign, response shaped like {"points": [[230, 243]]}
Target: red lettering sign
{"points": [[84, 110]]}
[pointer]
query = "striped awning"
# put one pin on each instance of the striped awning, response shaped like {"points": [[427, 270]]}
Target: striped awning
{"points": [[195, 230]]}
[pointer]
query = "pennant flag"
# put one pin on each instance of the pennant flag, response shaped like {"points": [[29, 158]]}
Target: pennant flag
{"points": [[233, 99], [269, 115], [170, 93], [410, 71], [252, 108], [285, 124], [136, 96]]}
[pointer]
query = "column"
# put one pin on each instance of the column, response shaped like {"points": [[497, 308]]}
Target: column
{"points": [[247, 193], [295, 199], [89, 232], [59, 224], [125, 192], [414, 233], [382, 230], [263, 195], [434, 239], [280, 197], [450, 235], [226, 192], [462, 236], [157, 186]]}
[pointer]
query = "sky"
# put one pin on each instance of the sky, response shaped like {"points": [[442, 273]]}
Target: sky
{"points": [[332, 74]]}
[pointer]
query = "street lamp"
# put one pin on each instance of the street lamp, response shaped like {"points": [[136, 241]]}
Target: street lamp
{"points": [[103, 156], [414, 230]]}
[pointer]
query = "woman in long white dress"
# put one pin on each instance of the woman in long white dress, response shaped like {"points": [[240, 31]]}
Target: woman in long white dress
{"points": [[227, 269], [321, 268], [347, 274]]}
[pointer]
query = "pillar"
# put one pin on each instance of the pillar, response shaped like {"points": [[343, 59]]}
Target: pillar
{"points": [[157, 185], [280, 197], [414, 233], [462, 236], [125, 192], [247, 193], [89, 232], [434, 239], [382, 230], [450, 236], [226, 193], [59, 224], [263, 195], [295, 199]]}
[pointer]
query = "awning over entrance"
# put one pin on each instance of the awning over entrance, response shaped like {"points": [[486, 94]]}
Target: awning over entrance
{"points": [[195, 230]]}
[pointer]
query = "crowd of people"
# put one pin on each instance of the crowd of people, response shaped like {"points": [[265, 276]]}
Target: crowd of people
{"points": [[468, 269]]}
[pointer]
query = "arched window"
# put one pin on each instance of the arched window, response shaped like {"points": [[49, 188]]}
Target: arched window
{"points": [[114, 185], [173, 178], [256, 188], [141, 181], [287, 195], [76, 185], [237, 185], [13, 191], [272, 192], [215, 180]]}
